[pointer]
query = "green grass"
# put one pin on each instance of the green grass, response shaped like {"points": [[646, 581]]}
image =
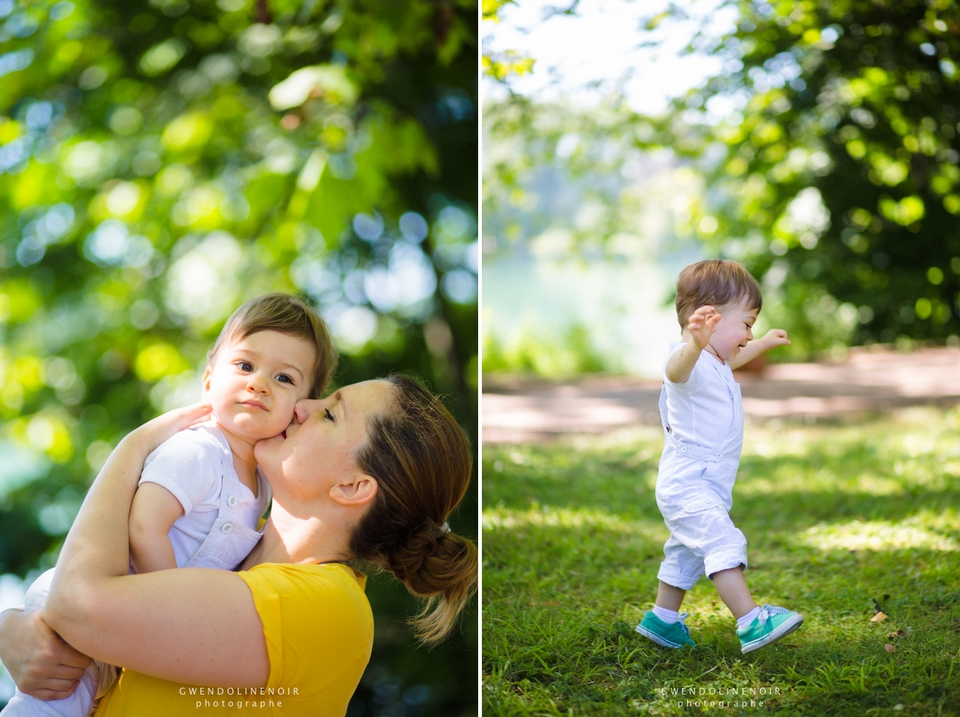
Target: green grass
{"points": [[837, 516]]}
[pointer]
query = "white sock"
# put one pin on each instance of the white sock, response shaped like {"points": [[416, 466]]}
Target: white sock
{"points": [[745, 621], [667, 616]]}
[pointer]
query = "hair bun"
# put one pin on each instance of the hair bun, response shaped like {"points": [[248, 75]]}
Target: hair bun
{"points": [[422, 462]]}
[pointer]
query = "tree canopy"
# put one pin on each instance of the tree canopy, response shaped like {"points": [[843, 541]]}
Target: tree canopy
{"points": [[842, 155], [163, 161], [828, 149]]}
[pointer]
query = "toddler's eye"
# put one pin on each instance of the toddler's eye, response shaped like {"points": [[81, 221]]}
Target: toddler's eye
{"points": [[328, 415], [245, 365], [284, 378]]}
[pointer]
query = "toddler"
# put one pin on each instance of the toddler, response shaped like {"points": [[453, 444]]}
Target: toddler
{"points": [[201, 495], [717, 305]]}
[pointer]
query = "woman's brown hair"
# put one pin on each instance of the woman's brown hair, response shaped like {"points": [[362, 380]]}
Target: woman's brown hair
{"points": [[715, 282], [421, 460], [289, 315]]}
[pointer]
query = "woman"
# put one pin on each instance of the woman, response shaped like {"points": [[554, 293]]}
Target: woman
{"points": [[369, 473]]}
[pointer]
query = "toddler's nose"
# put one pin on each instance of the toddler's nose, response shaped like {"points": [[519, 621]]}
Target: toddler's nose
{"points": [[256, 384]]}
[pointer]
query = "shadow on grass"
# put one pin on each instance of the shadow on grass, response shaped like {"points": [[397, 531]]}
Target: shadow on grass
{"points": [[573, 541], [796, 495]]}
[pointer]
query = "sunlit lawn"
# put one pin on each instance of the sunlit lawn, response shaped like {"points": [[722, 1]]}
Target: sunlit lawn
{"points": [[837, 516]]}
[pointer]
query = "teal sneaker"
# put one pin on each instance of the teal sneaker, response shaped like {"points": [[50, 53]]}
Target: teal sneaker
{"points": [[674, 635], [769, 626]]}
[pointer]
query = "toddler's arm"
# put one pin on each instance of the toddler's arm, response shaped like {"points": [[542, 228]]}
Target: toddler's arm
{"points": [[152, 514], [699, 329], [770, 340]]}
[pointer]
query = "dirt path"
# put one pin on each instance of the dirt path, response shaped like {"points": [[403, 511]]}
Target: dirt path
{"points": [[868, 381]]}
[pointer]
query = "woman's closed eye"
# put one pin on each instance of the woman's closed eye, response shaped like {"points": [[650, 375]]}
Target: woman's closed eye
{"points": [[328, 415]]}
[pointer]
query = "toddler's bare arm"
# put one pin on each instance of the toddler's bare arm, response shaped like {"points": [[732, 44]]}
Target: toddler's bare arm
{"points": [[153, 513], [697, 334], [770, 340]]}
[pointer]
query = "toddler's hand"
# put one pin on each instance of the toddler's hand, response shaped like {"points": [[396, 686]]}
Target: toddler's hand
{"points": [[774, 338], [701, 324]]}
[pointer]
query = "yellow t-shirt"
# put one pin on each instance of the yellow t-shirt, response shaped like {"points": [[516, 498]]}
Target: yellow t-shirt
{"points": [[318, 627]]}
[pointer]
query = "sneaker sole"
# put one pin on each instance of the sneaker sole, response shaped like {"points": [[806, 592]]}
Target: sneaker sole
{"points": [[785, 629], [656, 638]]}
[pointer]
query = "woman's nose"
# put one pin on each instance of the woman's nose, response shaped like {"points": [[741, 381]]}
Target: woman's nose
{"points": [[303, 409]]}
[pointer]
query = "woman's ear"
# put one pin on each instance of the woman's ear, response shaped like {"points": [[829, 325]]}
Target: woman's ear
{"points": [[359, 490]]}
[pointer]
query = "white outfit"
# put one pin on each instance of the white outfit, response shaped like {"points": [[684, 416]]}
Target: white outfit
{"points": [[703, 435], [218, 529]]}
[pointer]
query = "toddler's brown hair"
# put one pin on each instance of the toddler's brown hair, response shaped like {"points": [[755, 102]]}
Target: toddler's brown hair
{"points": [[288, 315], [715, 282]]}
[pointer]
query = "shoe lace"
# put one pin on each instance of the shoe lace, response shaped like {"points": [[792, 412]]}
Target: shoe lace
{"points": [[769, 610]]}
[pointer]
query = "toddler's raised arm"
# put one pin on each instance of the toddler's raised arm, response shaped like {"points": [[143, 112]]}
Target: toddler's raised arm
{"points": [[770, 340], [699, 329]]}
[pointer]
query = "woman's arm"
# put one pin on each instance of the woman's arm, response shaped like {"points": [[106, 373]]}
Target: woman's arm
{"points": [[191, 625]]}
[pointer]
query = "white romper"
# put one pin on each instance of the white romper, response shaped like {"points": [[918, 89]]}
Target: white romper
{"points": [[703, 435]]}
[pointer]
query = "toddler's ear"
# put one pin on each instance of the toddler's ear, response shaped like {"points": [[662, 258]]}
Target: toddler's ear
{"points": [[208, 371]]}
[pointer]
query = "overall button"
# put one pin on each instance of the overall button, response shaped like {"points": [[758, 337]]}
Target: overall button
{"points": [[683, 449], [718, 456], [232, 501], [226, 528]]}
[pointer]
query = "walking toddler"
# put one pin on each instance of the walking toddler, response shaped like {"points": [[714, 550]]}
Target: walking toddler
{"points": [[718, 302]]}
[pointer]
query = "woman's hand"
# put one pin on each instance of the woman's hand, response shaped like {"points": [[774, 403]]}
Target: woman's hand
{"points": [[154, 432], [42, 665]]}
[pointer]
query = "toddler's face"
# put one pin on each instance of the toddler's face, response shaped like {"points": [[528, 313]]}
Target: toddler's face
{"points": [[255, 382], [733, 331]]}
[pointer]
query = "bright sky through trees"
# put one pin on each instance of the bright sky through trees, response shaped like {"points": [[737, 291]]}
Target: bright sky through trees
{"points": [[604, 44]]}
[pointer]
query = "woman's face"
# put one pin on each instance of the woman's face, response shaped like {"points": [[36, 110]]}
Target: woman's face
{"points": [[318, 448]]}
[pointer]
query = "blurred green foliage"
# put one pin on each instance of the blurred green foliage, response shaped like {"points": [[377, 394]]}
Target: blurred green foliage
{"points": [[163, 161], [838, 166], [504, 64], [827, 148], [564, 354]]}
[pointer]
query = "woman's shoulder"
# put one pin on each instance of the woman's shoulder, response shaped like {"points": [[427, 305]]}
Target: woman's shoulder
{"points": [[317, 624], [309, 585], [291, 572]]}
